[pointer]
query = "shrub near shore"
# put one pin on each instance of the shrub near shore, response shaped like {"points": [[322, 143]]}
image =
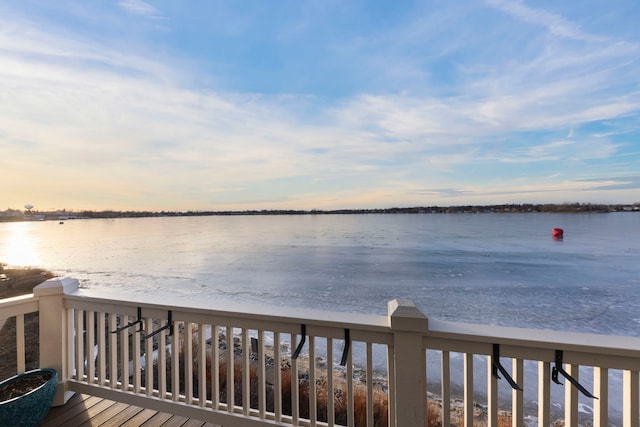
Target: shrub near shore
{"points": [[20, 281]]}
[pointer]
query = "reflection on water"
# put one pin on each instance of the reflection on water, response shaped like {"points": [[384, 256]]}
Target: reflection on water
{"points": [[19, 245]]}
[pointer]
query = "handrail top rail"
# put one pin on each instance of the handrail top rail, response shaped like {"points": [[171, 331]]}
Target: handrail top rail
{"points": [[21, 304], [17, 300], [542, 338], [243, 311]]}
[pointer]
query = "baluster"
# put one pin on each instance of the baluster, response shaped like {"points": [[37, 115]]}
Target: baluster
{"points": [[113, 352], [631, 413], [202, 365], [571, 397], [162, 364], [246, 384], [468, 389], [215, 367], [175, 362], [137, 380], [124, 353], [313, 403], [102, 349], [262, 382], [295, 384], [148, 361], [369, 384], [70, 363], [544, 393], [277, 380], [79, 345], [330, 395], [90, 345], [492, 394], [188, 363], [351, 419], [446, 388], [20, 344], [601, 389], [517, 396], [230, 368]]}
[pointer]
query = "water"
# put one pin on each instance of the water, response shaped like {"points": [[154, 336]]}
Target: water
{"points": [[501, 269]]}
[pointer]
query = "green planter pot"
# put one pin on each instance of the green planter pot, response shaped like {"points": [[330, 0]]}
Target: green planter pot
{"points": [[30, 408]]}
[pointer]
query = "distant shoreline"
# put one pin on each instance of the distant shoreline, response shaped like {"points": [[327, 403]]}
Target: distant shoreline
{"points": [[61, 215]]}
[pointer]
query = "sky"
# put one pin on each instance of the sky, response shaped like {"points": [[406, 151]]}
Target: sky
{"points": [[247, 104]]}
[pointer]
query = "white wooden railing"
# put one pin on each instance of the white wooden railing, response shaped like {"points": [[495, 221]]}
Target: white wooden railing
{"points": [[390, 361], [18, 307]]}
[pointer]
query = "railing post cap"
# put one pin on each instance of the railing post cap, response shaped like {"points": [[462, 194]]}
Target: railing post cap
{"points": [[404, 315], [55, 286]]}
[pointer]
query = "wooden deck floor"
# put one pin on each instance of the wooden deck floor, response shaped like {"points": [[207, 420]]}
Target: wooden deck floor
{"points": [[86, 410]]}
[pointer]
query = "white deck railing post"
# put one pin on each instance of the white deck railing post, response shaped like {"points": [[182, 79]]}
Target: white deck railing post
{"points": [[54, 326], [408, 325]]}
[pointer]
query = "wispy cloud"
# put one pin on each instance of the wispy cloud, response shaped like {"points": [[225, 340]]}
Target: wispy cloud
{"points": [[503, 193], [139, 7], [560, 151], [555, 24]]}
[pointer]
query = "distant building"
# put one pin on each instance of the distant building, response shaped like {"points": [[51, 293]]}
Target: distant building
{"points": [[12, 215]]}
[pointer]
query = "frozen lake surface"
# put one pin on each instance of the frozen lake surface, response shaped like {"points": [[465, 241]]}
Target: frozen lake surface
{"points": [[501, 269], [483, 268]]}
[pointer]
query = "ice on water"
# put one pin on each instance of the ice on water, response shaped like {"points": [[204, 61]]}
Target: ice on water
{"points": [[501, 269], [487, 268]]}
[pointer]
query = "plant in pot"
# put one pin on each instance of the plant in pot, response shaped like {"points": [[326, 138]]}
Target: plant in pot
{"points": [[25, 399]]}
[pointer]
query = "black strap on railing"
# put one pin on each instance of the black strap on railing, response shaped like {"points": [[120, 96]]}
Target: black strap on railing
{"points": [[347, 346], [303, 332], [497, 366], [130, 324], [168, 326], [557, 369]]}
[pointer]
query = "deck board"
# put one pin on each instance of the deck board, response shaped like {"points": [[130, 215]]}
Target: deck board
{"points": [[158, 419], [85, 410], [60, 416], [175, 421], [124, 415], [107, 415]]}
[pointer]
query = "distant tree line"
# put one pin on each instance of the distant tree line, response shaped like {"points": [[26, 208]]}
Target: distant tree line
{"points": [[15, 215], [527, 207]]}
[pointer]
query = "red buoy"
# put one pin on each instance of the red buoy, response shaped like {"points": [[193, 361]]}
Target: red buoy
{"points": [[557, 233]]}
